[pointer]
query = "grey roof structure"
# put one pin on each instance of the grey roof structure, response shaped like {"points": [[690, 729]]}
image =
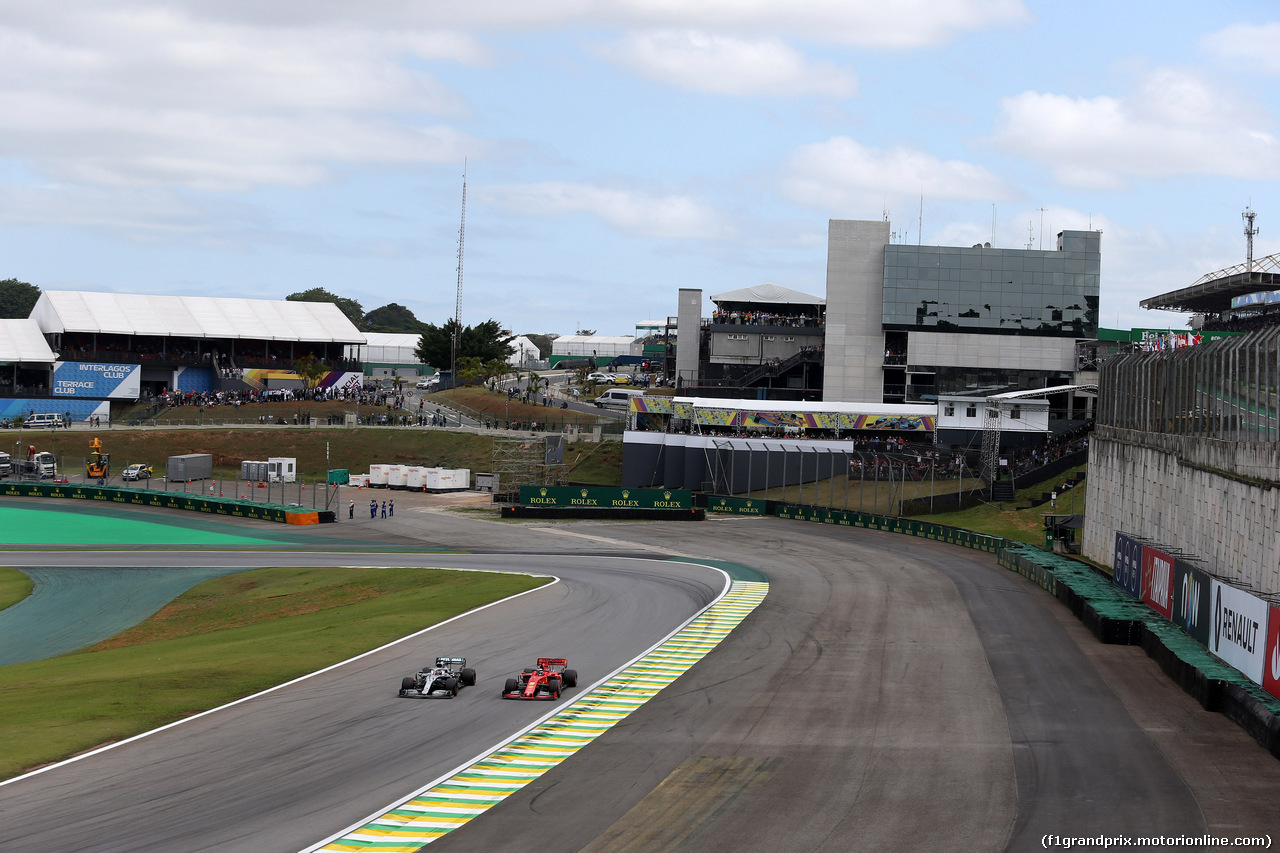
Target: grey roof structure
{"points": [[1212, 293], [768, 294]]}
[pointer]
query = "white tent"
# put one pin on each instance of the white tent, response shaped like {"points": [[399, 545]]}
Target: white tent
{"points": [[61, 311], [386, 348], [768, 294], [600, 346], [22, 343]]}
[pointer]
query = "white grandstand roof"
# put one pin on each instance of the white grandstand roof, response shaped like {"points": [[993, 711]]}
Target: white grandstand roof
{"points": [[769, 294], [22, 342], [63, 311], [816, 407]]}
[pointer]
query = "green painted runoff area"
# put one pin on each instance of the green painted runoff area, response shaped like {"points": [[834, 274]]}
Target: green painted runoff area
{"points": [[22, 526]]}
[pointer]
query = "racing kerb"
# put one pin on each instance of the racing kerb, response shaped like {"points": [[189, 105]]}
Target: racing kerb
{"points": [[468, 792]]}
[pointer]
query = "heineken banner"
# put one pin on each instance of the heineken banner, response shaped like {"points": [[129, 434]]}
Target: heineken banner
{"points": [[605, 498]]}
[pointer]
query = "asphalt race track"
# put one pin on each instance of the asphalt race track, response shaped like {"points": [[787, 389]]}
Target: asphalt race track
{"points": [[889, 694]]}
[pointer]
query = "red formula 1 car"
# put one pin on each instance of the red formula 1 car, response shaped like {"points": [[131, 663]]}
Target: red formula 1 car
{"points": [[545, 681]]}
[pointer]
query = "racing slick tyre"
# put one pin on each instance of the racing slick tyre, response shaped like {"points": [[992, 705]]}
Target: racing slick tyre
{"points": [[570, 678], [468, 676], [406, 683], [451, 685], [511, 686]]}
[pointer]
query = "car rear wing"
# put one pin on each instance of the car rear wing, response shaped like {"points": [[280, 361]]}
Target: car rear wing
{"points": [[450, 662], [547, 663]]}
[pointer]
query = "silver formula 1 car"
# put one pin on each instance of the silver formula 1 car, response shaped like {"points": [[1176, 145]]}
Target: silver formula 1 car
{"points": [[444, 680]]}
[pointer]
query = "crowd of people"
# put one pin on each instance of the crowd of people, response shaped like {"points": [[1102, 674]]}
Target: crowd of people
{"points": [[730, 317]]}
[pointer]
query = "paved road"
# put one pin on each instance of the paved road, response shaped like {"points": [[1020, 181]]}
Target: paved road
{"points": [[890, 694], [293, 766]]}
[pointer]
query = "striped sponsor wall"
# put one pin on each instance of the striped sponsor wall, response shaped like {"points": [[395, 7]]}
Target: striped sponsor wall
{"points": [[473, 790]]}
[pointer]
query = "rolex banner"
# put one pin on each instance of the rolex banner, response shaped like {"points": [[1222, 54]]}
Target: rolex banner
{"points": [[605, 498]]}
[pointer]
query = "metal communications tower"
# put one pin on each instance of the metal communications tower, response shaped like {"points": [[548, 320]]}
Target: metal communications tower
{"points": [[457, 309], [1249, 233]]}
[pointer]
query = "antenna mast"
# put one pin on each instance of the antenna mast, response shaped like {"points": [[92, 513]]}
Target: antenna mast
{"points": [[1249, 233], [457, 309]]}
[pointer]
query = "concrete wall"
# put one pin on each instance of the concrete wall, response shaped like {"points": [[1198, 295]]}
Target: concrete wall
{"points": [[1218, 500], [853, 372], [688, 333], [1022, 352]]}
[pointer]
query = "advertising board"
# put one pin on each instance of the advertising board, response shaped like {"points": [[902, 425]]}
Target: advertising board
{"points": [[1128, 565], [741, 506], [1157, 580], [1239, 629], [606, 498], [92, 379], [1191, 611], [1271, 653]]}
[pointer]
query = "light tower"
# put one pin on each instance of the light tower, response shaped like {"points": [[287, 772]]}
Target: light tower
{"points": [[457, 308]]}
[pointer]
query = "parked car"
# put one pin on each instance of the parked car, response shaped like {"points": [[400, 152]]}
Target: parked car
{"points": [[600, 378], [137, 471], [429, 383]]}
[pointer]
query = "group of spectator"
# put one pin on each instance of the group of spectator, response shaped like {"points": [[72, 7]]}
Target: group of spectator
{"points": [[722, 316]]}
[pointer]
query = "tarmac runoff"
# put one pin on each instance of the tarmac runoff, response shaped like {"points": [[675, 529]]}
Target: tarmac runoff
{"points": [[454, 800]]}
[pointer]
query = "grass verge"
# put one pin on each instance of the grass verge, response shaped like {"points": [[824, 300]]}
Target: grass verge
{"points": [[222, 640], [14, 586], [1019, 525]]}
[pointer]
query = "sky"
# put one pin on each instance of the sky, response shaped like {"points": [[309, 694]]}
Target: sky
{"points": [[615, 152]]}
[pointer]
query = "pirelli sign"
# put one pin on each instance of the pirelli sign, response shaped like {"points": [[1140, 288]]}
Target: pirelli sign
{"points": [[600, 497]]}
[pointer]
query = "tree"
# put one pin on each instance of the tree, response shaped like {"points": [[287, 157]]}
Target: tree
{"points": [[485, 342], [349, 307], [17, 298], [393, 319], [309, 369], [470, 370]]}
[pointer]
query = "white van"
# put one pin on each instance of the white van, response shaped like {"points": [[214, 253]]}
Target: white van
{"points": [[617, 398], [43, 419]]}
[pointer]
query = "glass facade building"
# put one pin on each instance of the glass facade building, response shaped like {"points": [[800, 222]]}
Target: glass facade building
{"points": [[982, 290]]}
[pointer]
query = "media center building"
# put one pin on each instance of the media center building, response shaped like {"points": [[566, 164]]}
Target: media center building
{"points": [[79, 351], [908, 324]]}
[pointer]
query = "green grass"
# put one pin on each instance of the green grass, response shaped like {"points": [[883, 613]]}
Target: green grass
{"points": [[1025, 525], [14, 586], [353, 449], [222, 640]]}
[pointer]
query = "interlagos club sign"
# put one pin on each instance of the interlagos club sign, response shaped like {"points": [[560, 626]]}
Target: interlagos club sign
{"points": [[605, 498]]}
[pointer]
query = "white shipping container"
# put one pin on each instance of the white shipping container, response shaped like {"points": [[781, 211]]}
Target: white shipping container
{"points": [[448, 479], [359, 480], [397, 475], [378, 476], [415, 478]]}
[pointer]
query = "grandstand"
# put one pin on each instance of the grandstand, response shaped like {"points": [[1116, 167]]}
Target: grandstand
{"points": [[101, 348], [1240, 298]]}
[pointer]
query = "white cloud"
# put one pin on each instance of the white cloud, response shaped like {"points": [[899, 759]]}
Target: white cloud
{"points": [[886, 24], [842, 174], [1246, 45], [727, 65], [641, 214], [1173, 124], [899, 24], [151, 96]]}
